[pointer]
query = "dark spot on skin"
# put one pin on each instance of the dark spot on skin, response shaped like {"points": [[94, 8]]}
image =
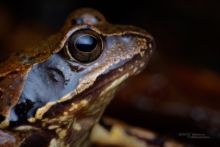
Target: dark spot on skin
{"points": [[2, 118], [23, 108]]}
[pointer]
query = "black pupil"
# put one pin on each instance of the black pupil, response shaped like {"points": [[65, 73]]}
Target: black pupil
{"points": [[85, 43]]}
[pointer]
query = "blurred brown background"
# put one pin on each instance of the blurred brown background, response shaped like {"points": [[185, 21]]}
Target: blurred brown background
{"points": [[179, 92]]}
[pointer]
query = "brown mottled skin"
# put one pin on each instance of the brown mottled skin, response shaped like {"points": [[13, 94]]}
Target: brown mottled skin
{"points": [[73, 94]]}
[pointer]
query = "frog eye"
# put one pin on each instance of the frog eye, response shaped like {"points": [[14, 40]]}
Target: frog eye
{"points": [[84, 46]]}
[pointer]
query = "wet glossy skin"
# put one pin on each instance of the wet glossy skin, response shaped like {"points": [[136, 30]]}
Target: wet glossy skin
{"points": [[56, 92]]}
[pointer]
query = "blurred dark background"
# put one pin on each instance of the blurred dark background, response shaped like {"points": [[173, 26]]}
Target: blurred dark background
{"points": [[185, 30], [180, 90]]}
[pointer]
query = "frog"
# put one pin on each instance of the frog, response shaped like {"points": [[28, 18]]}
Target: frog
{"points": [[54, 93]]}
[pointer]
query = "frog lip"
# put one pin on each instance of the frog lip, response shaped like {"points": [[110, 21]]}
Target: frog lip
{"points": [[129, 68], [132, 67]]}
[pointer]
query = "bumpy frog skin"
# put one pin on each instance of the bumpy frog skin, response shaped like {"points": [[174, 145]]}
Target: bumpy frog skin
{"points": [[53, 94]]}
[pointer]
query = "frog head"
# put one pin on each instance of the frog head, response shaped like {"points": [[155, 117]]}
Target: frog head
{"points": [[58, 90]]}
